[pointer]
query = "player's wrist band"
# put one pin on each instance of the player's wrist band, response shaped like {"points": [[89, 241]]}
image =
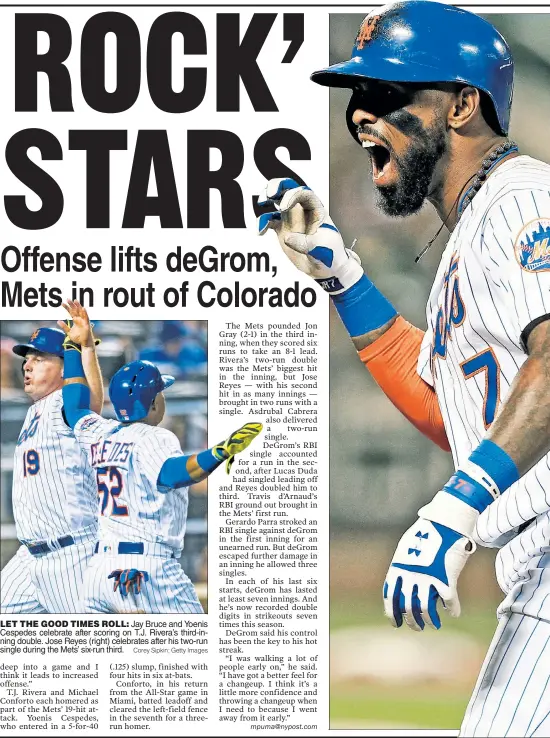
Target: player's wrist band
{"points": [[496, 462], [72, 364], [210, 460], [488, 473], [363, 308]]}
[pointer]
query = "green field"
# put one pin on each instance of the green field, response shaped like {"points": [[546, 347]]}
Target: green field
{"points": [[349, 612], [422, 705], [371, 707]]}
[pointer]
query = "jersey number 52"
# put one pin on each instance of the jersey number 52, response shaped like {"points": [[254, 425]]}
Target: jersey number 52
{"points": [[109, 488]]}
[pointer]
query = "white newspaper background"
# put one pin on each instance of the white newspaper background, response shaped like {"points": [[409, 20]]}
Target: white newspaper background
{"points": [[259, 656]]}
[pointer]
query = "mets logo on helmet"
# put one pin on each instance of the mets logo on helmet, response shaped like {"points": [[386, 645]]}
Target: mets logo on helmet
{"points": [[34, 335], [366, 31]]}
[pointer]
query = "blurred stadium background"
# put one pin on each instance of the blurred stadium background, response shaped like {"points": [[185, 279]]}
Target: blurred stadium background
{"points": [[382, 469], [178, 348]]}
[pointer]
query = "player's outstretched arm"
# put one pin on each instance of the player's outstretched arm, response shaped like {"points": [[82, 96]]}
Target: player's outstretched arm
{"points": [[79, 334], [76, 393], [433, 552], [388, 345], [181, 471], [92, 371]]}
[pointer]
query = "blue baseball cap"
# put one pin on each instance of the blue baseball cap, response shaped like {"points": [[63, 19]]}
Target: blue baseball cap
{"points": [[421, 41], [45, 340]]}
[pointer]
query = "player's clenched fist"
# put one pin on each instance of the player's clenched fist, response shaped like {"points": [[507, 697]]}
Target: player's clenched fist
{"points": [[424, 569], [308, 236], [237, 442]]}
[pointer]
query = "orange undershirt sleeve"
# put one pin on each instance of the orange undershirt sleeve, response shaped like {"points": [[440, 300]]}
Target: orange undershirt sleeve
{"points": [[392, 361]]}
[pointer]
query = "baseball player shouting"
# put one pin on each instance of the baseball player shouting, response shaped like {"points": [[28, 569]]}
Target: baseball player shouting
{"points": [[142, 481], [431, 90], [54, 491]]}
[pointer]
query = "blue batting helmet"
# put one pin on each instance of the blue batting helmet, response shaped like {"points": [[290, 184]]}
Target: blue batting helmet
{"points": [[134, 387], [422, 41], [45, 340]]}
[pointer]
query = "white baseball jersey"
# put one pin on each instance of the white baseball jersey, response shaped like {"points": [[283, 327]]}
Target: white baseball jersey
{"points": [[127, 459], [54, 489], [54, 496], [512, 694], [133, 507], [493, 282]]}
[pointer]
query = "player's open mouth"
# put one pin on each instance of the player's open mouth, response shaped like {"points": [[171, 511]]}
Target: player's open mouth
{"points": [[380, 157]]}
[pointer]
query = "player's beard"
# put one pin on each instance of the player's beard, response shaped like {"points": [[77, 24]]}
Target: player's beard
{"points": [[416, 167]]}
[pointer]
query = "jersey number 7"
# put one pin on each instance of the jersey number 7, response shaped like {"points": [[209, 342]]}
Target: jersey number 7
{"points": [[109, 488], [486, 362]]}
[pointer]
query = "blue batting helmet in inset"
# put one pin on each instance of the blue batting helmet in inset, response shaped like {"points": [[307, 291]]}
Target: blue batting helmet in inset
{"points": [[45, 340], [422, 41], [134, 387]]}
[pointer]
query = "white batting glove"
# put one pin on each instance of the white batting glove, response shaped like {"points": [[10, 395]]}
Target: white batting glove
{"points": [[425, 568], [308, 236]]}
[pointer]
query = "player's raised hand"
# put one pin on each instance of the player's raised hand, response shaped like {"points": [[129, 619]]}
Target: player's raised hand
{"points": [[237, 442], [127, 580], [78, 328], [308, 236], [424, 569]]}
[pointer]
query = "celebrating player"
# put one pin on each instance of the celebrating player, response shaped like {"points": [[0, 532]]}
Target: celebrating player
{"points": [[54, 491], [431, 94], [142, 480]]}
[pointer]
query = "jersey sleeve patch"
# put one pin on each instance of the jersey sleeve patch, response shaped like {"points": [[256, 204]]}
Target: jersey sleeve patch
{"points": [[88, 422], [532, 246], [91, 426]]}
